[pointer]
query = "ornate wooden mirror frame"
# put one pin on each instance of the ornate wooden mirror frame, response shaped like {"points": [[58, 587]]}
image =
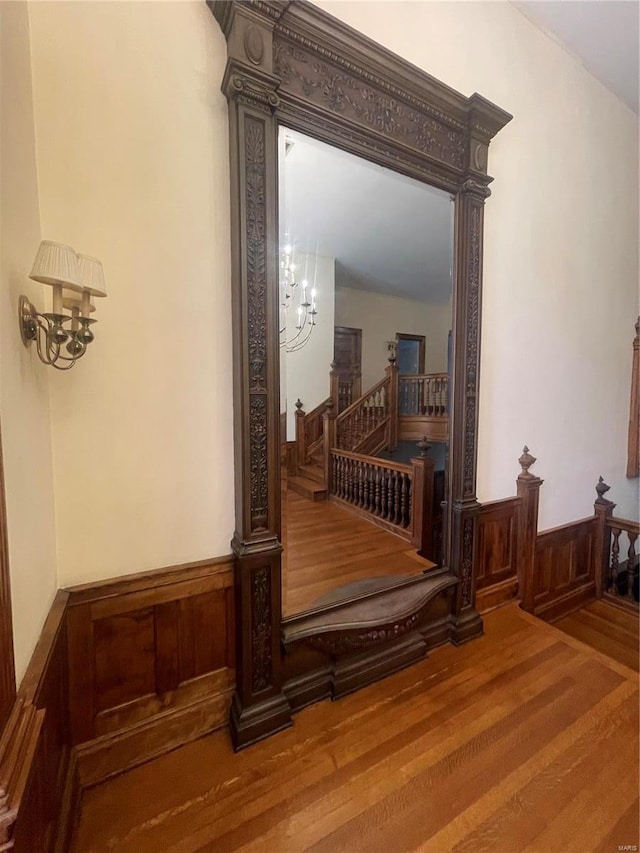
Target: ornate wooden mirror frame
{"points": [[291, 63]]}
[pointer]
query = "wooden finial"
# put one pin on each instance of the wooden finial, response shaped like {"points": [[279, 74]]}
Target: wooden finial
{"points": [[298, 404], [423, 447], [638, 327], [602, 488], [526, 461]]}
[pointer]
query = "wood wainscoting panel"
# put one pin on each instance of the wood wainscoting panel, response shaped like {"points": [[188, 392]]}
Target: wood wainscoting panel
{"points": [[151, 663], [496, 573], [37, 773], [563, 577]]}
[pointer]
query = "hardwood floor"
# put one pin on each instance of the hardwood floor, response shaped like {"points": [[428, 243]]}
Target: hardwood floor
{"points": [[606, 628], [523, 740], [326, 546]]}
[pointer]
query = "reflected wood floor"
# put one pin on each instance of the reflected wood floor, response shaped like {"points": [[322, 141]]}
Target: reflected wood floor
{"points": [[522, 740], [606, 628], [326, 546]]}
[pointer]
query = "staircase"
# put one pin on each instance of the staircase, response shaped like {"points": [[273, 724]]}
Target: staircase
{"points": [[309, 481], [369, 425]]}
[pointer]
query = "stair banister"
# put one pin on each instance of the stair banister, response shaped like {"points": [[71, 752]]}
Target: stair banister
{"points": [[422, 532], [603, 509], [392, 374], [329, 431], [300, 435]]}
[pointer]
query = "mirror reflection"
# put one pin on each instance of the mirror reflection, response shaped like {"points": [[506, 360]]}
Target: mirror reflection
{"points": [[365, 343]]}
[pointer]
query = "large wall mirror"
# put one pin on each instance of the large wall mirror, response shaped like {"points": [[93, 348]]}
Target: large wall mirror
{"points": [[357, 191], [365, 276]]}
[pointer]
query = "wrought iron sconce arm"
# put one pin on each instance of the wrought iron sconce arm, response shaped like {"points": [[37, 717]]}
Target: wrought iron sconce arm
{"points": [[50, 335]]}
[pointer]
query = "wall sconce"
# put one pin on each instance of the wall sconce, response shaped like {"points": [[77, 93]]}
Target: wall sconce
{"points": [[75, 279]]}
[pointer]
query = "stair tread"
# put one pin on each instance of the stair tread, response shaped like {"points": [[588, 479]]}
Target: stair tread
{"points": [[312, 485], [312, 472]]}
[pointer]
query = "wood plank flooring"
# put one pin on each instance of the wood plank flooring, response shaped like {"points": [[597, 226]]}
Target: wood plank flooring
{"points": [[523, 740], [326, 546], [606, 628]]}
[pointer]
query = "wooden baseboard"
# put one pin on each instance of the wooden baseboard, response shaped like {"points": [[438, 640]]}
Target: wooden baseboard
{"points": [[496, 595], [120, 751], [567, 603]]}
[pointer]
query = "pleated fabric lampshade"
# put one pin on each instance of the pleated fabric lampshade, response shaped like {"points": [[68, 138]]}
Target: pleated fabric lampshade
{"points": [[91, 275], [57, 265]]}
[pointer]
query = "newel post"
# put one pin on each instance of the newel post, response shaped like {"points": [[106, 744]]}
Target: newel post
{"points": [[334, 386], [603, 509], [392, 373], [528, 490], [301, 445], [422, 502], [329, 435]]}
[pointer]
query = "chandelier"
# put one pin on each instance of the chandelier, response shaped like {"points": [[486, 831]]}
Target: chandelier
{"points": [[297, 301]]}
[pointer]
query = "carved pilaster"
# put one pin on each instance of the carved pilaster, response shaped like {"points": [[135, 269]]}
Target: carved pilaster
{"points": [[259, 708]]}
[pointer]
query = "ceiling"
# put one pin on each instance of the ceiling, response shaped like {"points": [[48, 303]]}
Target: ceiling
{"points": [[603, 34], [388, 233]]}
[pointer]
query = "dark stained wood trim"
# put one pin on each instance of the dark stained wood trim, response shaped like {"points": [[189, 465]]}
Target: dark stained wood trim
{"points": [[292, 63], [37, 789], [7, 665], [126, 584], [633, 447], [116, 752], [496, 595]]}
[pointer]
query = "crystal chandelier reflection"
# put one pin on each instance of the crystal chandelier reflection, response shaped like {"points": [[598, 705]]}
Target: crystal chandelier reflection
{"points": [[297, 302]]}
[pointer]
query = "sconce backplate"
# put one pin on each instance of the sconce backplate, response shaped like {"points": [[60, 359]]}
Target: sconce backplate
{"points": [[27, 317]]}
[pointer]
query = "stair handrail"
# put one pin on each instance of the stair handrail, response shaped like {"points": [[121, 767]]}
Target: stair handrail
{"points": [[388, 384], [401, 467], [309, 428], [422, 393], [356, 403]]}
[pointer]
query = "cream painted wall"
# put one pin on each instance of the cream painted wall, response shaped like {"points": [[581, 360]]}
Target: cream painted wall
{"points": [[307, 369], [381, 316], [24, 390], [561, 247], [132, 147]]}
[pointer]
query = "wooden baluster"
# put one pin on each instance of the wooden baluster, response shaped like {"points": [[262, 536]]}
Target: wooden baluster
{"points": [[377, 492], [340, 483], [391, 508], [429, 387], [366, 487], [360, 484], [385, 494], [405, 507], [613, 565], [397, 492], [334, 474], [445, 401], [631, 559], [382, 491]]}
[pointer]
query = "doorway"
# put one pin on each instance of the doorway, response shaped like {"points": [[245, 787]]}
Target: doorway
{"points": [[347, 363], [410, 354]]}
